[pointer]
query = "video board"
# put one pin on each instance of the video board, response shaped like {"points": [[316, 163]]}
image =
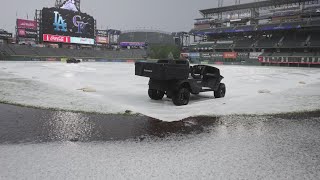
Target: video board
{"points": [[63, 22]]}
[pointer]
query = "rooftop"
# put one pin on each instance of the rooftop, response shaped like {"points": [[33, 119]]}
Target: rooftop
{"points": [[265, 3]]}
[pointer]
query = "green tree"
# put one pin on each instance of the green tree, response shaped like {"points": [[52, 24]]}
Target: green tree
{"points": [[164, 52]]}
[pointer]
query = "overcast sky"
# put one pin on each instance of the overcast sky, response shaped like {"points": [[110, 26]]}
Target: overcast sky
{"points": [[166, 15]]}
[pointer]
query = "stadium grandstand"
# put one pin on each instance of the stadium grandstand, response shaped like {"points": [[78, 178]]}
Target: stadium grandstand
{"points": [[24, 52], [150, 37], [270, 32]]}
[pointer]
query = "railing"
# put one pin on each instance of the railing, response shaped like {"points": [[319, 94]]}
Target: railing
{"points": [[146, 31]]}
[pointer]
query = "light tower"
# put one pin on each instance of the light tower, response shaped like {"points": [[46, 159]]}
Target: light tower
{"points": [[59, 3], [220, 3]]}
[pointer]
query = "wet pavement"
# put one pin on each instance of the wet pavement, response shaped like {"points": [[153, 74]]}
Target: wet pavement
{"points": [[48, 144], [30, 125]]}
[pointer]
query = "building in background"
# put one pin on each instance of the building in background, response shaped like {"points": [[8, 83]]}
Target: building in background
{"points": [[268, 32], [5, 37]]}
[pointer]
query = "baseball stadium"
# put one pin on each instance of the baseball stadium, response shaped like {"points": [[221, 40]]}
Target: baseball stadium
{"points": [[63, 31], [234, 94], [283, 33]]}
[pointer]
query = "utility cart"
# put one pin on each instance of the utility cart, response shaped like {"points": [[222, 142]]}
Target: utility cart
{"points": [[177, 79]]}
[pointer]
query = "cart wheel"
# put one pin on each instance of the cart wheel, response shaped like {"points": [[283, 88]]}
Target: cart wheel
{"points": [[155, 94], [181, 97], [221, 92]]}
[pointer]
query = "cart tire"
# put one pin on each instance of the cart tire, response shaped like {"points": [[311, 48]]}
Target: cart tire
{"points": [[181, 97], [221, 92], [155, 94]]}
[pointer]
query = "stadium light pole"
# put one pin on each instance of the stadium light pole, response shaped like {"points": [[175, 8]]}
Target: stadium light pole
{"points": [[220, 3]]}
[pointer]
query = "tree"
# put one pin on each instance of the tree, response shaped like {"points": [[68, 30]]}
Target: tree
{"points": [[164, 52]]}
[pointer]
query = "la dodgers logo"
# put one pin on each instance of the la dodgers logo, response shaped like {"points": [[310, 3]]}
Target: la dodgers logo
{"points": [[59, 22]]}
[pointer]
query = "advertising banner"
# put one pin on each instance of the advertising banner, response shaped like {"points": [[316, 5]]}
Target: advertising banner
{"points": [[217, 55], [67, 23], [26, 24], [102, 33], [230, 55], [132, 44], [56, 38], [77, 40], [5, 35], [194, 55], [28, 33], [254, 55], [243, 54], [224, 42], [102, 40], [206, 55], [185, 55]]}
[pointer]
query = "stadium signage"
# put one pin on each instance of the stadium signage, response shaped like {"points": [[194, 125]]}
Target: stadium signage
{"points": [[194, 55], [29, 33], [230, 55], [26, 24], [254, 55], [132, 44], [217, 55], [243, 54], [102, 40], [63, 22], [4, 35], [59, 22], [185, 55], [102, 33], [56, 38], [80, 24], [224, 42], [206, 55], [76, 40]]}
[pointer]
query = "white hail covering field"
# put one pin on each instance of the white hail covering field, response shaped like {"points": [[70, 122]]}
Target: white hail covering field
{"points": [[113, 88]]}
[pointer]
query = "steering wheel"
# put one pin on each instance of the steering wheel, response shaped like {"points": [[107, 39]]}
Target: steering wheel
{"points": [[195, 70]]}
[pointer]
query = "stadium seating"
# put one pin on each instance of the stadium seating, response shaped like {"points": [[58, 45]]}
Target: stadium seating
{"points": [[5, 49], [268, 42], [314, 40], [292, 24], [22, 50], [151, 37], [294, 40], [244, 43], [303, 54], [265, 27], [314, 22], [281, 54], [223, 46], [28, 51], [225, 30]]}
